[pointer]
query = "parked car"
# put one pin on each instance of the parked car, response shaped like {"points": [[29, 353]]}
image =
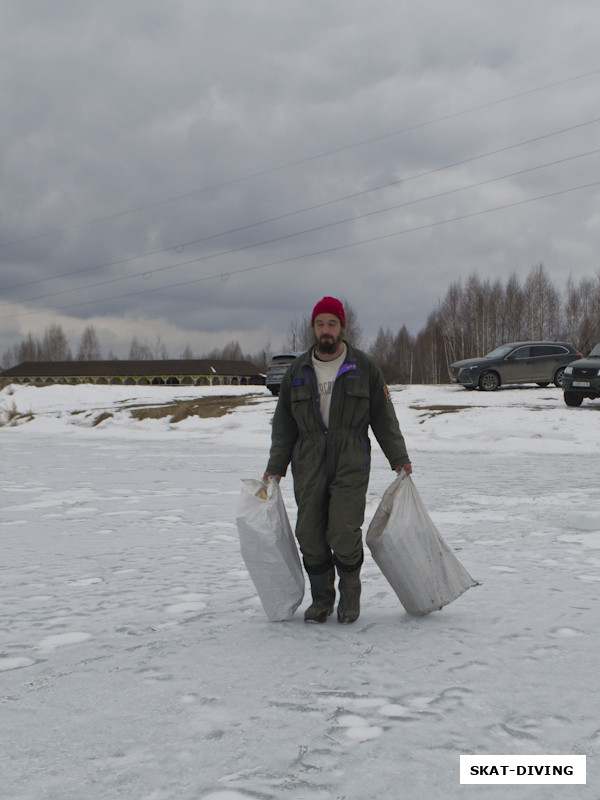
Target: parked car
{"points": [[582, 378], [277, 369], [516, 362]]}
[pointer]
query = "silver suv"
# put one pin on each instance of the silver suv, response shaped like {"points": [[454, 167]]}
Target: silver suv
{"points": [[277, 369]]}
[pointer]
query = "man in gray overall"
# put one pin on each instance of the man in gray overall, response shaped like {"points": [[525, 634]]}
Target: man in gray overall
{"points": [[328, 399]]}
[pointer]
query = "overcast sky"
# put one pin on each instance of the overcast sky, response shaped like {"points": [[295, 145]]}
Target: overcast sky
{"points": [[206, 170]]}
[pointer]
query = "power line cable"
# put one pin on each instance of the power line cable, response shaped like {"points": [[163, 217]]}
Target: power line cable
{"points": [[354, 195], [315, 229], [326, 251], [307, 159]]}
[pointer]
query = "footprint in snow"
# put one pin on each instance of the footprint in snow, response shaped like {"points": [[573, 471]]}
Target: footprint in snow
{"points": [[85, 581], [560, 633], [358, 729], [228, 795], [187, 604], [17, 662], [63, 640]]}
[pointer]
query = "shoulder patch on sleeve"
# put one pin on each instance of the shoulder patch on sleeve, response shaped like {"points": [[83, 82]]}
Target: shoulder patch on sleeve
{"points": [[387, 394]]}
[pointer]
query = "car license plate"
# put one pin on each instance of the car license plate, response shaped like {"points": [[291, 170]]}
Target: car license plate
{"points": [[581, 384]]}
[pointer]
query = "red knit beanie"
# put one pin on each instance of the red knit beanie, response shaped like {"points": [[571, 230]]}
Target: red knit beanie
{"points": [[329, 305]]}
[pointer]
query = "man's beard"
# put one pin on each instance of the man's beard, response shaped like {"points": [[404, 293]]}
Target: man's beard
{"points": [[328, 344]]}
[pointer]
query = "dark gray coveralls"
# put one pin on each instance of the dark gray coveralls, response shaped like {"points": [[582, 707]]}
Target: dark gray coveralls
{"points": [[331, 466]]}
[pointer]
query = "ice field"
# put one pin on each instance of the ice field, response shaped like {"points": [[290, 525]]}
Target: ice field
{"points": [[136, 661]]}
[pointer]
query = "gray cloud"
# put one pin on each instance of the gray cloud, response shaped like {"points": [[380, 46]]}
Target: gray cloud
{"points": [[169, 130]]}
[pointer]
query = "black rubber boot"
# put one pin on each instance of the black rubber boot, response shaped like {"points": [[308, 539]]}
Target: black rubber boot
{"points": [[322, 587], [349, 586]]}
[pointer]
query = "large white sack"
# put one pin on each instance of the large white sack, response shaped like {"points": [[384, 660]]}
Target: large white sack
{"points": [[408, 549], [269, 549]]}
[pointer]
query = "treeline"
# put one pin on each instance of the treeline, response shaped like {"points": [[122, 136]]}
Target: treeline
{"points": [[477, 316], [54, 346], [473, 318]]}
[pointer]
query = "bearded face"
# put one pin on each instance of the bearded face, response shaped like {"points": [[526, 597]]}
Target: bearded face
{"points": [[328, 332]]}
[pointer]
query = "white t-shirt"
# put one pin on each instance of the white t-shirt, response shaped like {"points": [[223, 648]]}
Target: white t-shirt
{"points": [[326, 372]]}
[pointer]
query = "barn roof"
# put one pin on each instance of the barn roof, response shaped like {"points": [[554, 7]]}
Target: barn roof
{"points": [[118, 368]]}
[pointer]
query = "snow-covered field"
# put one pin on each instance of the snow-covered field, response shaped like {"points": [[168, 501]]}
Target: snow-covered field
{"points": [[136, 661]]}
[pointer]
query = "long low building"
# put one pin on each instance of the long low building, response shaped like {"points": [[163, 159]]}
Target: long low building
{"points": [[187, 372]]}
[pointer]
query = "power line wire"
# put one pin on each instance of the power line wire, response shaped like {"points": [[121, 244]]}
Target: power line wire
{"points": [[307, 159], [354, 195], [315, 229], [327, 251]]}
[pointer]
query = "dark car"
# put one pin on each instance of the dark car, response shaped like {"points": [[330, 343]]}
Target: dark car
{"points": [[277, 369], [515, 362], [582, 378]]}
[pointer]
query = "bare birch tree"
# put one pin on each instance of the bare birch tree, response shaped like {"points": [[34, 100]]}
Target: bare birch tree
{"points": [[542, 306], [55, 346], [383, 350], [513, 305], [89, 346], [404, 349], [139, 351]]}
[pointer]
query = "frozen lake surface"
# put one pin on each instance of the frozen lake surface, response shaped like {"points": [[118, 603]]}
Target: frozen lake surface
{"points": [[136, 661]]}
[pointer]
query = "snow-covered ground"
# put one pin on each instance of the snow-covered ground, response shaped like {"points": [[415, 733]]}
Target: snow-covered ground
{"points": [[136, 661]]}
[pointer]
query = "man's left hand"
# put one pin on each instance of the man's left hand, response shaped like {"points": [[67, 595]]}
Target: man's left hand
{"points": [[406, 467]]}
